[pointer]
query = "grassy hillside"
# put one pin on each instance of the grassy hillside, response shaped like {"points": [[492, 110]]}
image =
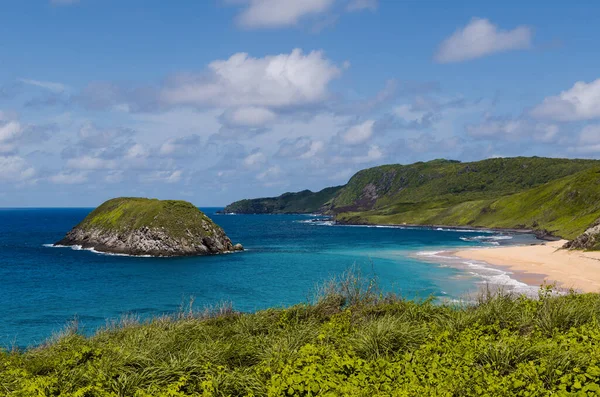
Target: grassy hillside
{"points": [[441, 182], [129, 213], [558, 195], [351, 342], [288, 203], [565, 207]]}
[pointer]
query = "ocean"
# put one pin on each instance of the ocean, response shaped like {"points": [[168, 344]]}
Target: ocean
{"points": [[43, 288]]}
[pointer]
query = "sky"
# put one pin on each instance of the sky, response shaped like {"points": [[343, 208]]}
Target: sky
{"points": [[217, 100]]}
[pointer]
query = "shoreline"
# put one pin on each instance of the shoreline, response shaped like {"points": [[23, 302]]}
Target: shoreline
{"points": [[541, 235], [542, 263]]}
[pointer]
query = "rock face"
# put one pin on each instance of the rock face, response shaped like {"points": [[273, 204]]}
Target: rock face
{"points": [[138, 226], [589, 240]]}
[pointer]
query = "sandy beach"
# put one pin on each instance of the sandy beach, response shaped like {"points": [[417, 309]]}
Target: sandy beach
{"points": [[545, 262]]}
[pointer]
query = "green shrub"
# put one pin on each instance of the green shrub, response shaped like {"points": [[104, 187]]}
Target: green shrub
{"points": [[354, 341]]}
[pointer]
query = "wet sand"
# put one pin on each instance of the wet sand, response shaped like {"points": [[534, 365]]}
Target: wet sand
{"points": [[546, 262]]}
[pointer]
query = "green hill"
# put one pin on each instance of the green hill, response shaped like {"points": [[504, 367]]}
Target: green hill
{"points": [[304, 202], [546, 194], [565, 207], [141, 226]]}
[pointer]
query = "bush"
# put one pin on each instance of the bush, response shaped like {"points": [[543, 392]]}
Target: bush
{"points": [[352, 341]]}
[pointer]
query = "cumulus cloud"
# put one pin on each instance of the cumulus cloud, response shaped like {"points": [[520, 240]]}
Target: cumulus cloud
{"points": [[91, 136], [10, 131], [359, 133], [273, 81], [91, 163], [302, 148], [15, 169], [255, 159], [278, 13], [69, 178], [270, 173], [373, 153], [580, 102], [590, 135], [588, 141], [185, 146], [14, 135], [500, 128], [162, 176], [480, 38], [250, 116]]}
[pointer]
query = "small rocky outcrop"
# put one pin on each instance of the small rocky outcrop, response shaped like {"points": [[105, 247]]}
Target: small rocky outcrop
{"points": [[138, 226], [589, 240]]}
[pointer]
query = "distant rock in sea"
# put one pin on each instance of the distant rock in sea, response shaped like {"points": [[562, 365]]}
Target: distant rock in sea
{"points": [[140, 226]]}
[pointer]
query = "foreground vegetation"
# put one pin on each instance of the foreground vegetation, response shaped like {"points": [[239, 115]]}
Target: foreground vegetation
{"points": [[350, 341]]}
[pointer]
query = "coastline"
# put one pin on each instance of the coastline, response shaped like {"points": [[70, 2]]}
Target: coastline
{"points": [[547, 262]]}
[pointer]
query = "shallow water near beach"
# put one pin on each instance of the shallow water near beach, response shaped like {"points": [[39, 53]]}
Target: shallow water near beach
{"points": [[287, 256]]}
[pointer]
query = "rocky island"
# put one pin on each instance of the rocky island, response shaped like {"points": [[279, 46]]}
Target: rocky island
{"points": [[140, 226]]}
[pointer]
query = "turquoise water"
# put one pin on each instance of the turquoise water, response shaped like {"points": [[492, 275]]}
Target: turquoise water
{"points": [[287, 256]]}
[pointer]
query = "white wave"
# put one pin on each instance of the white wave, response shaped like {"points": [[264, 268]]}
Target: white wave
{"points": [[498, 277], [494, 240], [485, 273], [434, 254], [317, 222], [91, 249]]}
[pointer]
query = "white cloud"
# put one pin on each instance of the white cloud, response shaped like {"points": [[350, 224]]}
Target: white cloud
{"points": [[590, 135], [114, 176], [496, 128], [278, 13], [162, 176], [255, 159], [10, 131], [408, 113], [250, 116], [69, 178], [243, 81], [480, 38], [359, 133], [588, 141], [373, 154], [270, 173], [546, 133], [581, 102], [15, 169], [514, 129], [48, 85], [137, 151], [315, 148], [91, 163]]}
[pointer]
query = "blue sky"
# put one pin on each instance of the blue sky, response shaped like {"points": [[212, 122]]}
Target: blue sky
{"points": [[216, 100]]}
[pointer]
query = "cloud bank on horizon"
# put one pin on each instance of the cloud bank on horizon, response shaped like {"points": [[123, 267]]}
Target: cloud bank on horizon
{"points": [[245, 98]]}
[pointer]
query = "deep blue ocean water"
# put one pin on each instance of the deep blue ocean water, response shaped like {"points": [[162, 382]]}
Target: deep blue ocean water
{"points": [[43, 288]]}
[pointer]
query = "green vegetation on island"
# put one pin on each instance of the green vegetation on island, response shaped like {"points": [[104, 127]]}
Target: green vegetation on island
{"points": [[141, 226], [304, 202], [552, 196], [352, 341]]}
